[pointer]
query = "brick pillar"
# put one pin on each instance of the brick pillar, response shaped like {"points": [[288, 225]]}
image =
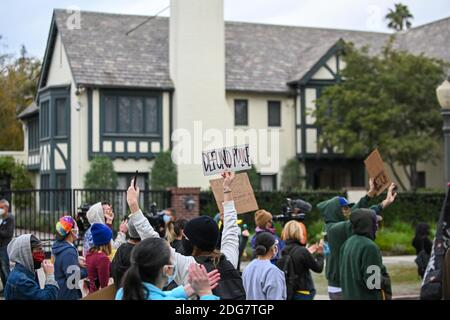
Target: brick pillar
{"points": [[178, 197]]}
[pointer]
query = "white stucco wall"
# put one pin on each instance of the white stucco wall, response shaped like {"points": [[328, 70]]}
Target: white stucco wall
{"points": [[59, 72], [284, 147], [197, 68]]}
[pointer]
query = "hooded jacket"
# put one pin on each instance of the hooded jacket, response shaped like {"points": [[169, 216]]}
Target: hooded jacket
{"points": [[95, 215], [361, 259], [337, 230], [22, 282], [66, 265], [280, 245]]}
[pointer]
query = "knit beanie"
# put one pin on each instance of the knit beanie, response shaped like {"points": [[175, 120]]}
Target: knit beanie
{"points": [[202, 232], [64, 225], [262, 217], [132, 232], [101, 234]]}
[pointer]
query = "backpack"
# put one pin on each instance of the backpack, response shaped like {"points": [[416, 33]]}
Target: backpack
{"points": [[286, 264], [230, 285]]}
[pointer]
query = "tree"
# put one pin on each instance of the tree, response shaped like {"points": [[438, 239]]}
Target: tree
{"points": [[399, 18], [101, 174], [164, 172], [386, 102], [18, 85], [17, 172], [291, 177], [255, 178]]}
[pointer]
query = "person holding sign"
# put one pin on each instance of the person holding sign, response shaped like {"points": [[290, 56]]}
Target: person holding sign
{"points": [[338, 229], [200, 238]]}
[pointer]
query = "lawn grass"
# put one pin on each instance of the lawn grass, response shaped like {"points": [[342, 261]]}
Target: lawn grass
{"points": [[404, 280]]}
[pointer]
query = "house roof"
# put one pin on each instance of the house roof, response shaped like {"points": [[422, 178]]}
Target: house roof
{"points": [[259, 57], [28, 111]]}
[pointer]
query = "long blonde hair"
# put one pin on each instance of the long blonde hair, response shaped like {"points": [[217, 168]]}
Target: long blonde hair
{"points": [[294, 230], [106, 249]]}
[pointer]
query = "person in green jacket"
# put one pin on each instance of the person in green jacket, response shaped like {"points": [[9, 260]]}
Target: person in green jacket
{"points": [[362, 274], [338, 229]]}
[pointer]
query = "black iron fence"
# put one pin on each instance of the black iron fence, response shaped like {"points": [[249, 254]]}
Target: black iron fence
{"points": [[37, 211]]}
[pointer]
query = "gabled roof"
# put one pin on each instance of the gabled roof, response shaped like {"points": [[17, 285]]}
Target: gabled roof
{"points": [[29, 111], [259, 57]]}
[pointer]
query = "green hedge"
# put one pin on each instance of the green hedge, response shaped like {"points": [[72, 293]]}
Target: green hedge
{"points": [[271, 201], [410, 207], [413, 207]]}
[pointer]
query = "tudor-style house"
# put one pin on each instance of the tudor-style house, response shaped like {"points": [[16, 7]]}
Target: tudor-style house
{"points": [[109, 88]]}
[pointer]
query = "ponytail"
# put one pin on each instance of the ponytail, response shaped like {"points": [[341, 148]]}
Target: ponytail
{"points": [[132, 285], [260, 250]]}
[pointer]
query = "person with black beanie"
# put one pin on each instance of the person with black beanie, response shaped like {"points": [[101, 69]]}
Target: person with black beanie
{"points": [[200, 238]]}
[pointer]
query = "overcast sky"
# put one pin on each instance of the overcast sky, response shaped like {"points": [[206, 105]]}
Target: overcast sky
{"points": [[27, 21]]}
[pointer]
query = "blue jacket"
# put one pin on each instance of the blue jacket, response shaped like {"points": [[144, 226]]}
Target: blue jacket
{"points": [[23, 284], [66, 264], [281, 243], [155, 293]]}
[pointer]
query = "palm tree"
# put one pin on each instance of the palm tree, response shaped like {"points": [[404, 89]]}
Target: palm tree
{"points": [[399, 18]]}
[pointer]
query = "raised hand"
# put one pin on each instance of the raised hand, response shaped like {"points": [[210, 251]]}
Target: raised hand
{"points": [[390, 197], [372, 191], [133, 197], [228, 178]]}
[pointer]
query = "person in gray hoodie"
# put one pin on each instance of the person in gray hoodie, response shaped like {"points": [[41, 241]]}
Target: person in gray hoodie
{"points": [[27, 254], [230, 235], [102, 212]]}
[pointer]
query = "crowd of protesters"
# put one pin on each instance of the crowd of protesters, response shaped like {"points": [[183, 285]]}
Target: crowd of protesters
{"points": [[200, 258]]}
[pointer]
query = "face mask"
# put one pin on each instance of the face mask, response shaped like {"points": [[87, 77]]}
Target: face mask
{"points": [[2, 212], [275, 252], [170, 278], [75, 234], [188, 248], [166, 218], [38, 258]]}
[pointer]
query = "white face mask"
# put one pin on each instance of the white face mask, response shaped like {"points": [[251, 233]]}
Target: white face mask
{"points": [[75, 233], [2, 212], [275, 251]]}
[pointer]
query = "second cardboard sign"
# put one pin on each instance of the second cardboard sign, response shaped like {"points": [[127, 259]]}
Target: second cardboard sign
{"points": [[243, 195]]}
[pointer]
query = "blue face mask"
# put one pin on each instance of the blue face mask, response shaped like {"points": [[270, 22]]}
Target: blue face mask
{"points": [[166, 218], [171, 277]]}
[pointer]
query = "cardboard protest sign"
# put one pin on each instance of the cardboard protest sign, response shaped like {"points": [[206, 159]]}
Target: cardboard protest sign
{"points": [[243, 196], [375, 168], [108, 293], [235, 158]]}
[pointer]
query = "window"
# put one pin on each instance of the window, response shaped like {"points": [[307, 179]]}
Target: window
{"points": [[240, 112], [44, 195], [421, 179], [274, 113], [61, 181], [61, 117], [126, 114], [33, 134], [44, 116], [268, 182]]}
